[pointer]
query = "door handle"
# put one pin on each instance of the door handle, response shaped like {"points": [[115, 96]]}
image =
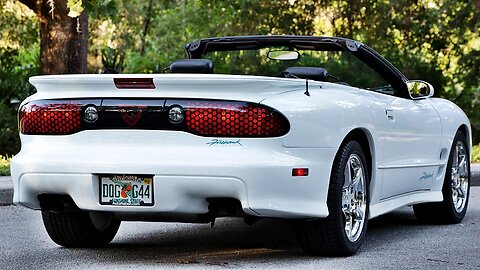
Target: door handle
{"points": [[390, 115]]}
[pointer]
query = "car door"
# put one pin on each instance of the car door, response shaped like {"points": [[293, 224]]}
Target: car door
{"points": [[411, 153]]}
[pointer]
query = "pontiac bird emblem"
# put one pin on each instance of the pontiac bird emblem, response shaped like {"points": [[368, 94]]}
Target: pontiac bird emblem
{"points": [[131, 114]]}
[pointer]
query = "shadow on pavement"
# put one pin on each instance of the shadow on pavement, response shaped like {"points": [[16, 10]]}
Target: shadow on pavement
{"points": [[232, 242]]}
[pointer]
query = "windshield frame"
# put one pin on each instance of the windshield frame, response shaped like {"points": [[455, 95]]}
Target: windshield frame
{"points": [[199, 48]]}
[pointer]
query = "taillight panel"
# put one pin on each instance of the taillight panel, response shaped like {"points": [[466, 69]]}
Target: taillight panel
{"points": [[209, 118], [131, 114], [233, 119], [50, 118]]}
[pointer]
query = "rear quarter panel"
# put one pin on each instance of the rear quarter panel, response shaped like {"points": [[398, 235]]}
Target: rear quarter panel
{"points": [[452, 119], [324, 119]]}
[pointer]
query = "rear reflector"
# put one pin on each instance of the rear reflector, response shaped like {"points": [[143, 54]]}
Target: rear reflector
{"points": [[134, 83], [50, 118], [234, 119], [300, 172]]}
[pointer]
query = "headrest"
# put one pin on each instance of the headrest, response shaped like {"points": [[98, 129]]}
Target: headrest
{"points": [[312, 73], [201, 66]]}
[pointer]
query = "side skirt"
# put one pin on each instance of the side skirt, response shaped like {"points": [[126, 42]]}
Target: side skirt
{"points": [[392, 203]]}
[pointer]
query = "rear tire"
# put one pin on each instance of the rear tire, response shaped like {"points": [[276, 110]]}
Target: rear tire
{"points": [[343, 231], [455, 190], [80, 229]]}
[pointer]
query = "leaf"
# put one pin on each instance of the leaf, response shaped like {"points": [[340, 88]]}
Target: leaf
{"points": [[76, 8]]}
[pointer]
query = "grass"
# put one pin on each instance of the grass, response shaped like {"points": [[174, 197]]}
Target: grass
{"points": [[476, 154], [4, 165]]}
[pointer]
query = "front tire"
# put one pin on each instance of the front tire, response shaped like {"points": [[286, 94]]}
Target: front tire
{"points": [[80, 229], [343, 231], [455, 190]]}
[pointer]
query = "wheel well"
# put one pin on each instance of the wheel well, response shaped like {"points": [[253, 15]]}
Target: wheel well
{"points": [[362, 138], [464, 129]]}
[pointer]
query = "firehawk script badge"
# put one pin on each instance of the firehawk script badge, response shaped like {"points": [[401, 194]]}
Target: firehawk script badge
{"points": [[131, 114], [223, 142], [426, 176]]}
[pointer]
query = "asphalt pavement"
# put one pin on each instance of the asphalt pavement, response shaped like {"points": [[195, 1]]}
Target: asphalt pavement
{"points": [[6, 186], [6, 190], [396, 240]]}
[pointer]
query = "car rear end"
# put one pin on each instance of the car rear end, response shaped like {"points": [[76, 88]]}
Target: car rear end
{"points": [[167, 147]]}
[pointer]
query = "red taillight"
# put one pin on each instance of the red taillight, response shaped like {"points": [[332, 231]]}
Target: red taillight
{"points": [[233, 119], [50, 118]]}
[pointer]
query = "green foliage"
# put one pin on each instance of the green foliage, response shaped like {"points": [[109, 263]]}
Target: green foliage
{"points": [[112, 60], [101, 9], [436, 41], [19, 56], [152, 33], [14, 87], [476, 154], [17, 28], [4, 165], [75, 8]]}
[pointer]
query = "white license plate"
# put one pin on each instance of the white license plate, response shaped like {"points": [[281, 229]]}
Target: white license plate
{"points": [[126, 190]]}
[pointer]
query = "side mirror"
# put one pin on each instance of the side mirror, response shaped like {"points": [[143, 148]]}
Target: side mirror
{"points": [[419, 89]]}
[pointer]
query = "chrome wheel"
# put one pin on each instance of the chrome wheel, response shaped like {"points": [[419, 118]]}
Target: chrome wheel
{"points": [[354, 202], [343, 231], [459, 176]]}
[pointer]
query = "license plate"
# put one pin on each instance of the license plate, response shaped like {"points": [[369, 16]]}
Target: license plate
{"points": [[126, 190]]}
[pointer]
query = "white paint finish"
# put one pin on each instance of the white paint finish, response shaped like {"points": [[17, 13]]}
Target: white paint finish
{"points": [[324, 118], [187, 171], [411, 137], [393, 203], [259, 173], [216, 86], [451, 118]]}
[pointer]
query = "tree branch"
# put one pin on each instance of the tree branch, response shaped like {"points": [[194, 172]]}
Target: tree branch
{"points": [[146, 24]]}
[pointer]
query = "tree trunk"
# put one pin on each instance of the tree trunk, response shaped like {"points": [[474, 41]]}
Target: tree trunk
{"points": [[63, 40]]}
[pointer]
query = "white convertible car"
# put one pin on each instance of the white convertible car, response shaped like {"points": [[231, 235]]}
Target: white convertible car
{"points": [[320, 130]]}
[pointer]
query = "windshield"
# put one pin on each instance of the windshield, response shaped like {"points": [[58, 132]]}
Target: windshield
{"points": [[342, 66]]}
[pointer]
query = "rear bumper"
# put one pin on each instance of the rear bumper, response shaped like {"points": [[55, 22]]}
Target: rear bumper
{"points": [[187, 171]]}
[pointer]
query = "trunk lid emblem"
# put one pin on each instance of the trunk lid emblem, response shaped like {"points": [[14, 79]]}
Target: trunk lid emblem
{"points": [[131, 114]]}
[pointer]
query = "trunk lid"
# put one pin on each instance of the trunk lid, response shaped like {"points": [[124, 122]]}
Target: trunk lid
{"points": [[202, 86]]}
